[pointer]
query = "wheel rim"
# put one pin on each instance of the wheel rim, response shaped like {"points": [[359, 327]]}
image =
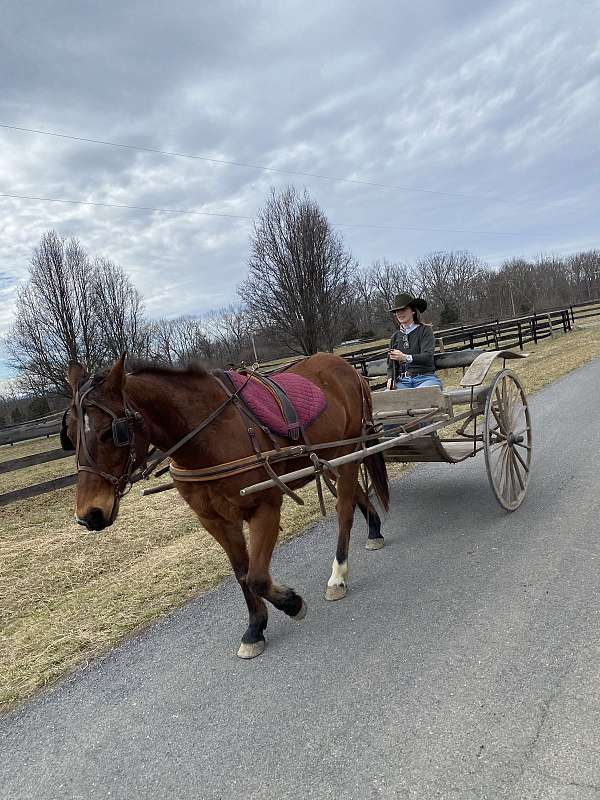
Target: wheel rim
{"points": [[507, 440]]}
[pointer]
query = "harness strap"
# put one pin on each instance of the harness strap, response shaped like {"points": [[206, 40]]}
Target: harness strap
{"points": [[229, 399]]}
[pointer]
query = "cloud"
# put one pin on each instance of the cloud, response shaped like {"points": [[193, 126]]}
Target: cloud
{"points": [[493, 100]]}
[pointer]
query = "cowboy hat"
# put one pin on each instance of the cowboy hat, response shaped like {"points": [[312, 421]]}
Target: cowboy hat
{"points": [[405, 299]]}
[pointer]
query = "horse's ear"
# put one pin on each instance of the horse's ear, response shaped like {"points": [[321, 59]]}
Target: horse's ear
{"points": [[75, 374], [116, 377]]}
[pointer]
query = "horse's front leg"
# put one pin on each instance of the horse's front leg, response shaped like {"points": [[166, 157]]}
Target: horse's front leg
{"points": [[347, 484], [229, 535], [264, 529]]}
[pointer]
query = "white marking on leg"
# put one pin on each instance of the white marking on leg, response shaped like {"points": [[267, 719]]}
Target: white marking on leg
{"points": [[339, 574], [86, 426]]}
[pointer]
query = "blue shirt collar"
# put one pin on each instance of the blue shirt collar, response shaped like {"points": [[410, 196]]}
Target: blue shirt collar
{"points": [[409, 328]]}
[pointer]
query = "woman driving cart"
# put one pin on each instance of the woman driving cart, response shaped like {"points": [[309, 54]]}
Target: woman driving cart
{"points": [[410, 359]]}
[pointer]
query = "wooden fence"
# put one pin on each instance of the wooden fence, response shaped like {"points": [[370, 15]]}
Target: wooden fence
{"points": [[492, 334], [496, 334], [44, 426]]}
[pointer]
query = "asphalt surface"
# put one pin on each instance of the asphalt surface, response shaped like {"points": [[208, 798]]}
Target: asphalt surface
{"points": [[463, 663]]}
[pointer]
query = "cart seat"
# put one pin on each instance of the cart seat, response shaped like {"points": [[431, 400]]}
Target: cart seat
{"points": [[457, 358], [409, 402]]}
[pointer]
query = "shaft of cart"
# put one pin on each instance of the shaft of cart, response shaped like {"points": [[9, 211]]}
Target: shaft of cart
{"points": [[357, 455]]}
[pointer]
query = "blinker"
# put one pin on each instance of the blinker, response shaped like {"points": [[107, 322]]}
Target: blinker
{"points": [[65, 441], [120, 431]]}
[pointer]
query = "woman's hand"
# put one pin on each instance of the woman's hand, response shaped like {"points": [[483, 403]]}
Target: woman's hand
{"points": [[388, 385], [397, 355]]}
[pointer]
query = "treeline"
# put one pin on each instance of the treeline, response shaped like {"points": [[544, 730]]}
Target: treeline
{"points": [[304, 292]]}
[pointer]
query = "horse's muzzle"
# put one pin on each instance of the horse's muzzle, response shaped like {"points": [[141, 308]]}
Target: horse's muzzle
{"points": [[94, 520]]}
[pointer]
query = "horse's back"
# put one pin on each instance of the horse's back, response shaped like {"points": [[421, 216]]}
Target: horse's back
{"points": [[341, 384]]}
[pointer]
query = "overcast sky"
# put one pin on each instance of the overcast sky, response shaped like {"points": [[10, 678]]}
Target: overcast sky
{"points": [[497, 102]]}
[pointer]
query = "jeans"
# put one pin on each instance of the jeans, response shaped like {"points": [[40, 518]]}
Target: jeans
{"points": [[416, 381]]}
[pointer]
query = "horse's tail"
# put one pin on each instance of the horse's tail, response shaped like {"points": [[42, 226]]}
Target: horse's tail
{"points": [[375, 463], [377, 471]]}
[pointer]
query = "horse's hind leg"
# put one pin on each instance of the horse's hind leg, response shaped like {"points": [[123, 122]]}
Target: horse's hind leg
{"points": [[264, 529], [347, 484], [375, 540]]}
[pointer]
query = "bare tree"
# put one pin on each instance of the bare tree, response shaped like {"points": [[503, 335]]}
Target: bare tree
{"points": [[389, 279], [298, 285], [180, 340], [119, 311], [449, 280], [69, 310], [230, 330]]}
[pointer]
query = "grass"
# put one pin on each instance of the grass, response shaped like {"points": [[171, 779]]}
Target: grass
{"points": [[68, 596]]}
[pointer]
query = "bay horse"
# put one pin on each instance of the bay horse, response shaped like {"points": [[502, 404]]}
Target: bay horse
{"points": [[115, 416]]}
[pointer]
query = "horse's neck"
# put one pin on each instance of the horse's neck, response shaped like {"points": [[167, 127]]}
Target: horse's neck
{"points": [[164, 402]]}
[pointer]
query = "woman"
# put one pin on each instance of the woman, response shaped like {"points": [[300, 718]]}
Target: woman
{"points": [[410, 359]]}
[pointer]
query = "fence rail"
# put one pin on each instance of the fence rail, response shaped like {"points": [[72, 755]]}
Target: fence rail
{"points": [[45, 426]]}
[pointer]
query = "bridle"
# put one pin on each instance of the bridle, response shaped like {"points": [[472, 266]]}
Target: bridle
{"points": [[123, 434]]}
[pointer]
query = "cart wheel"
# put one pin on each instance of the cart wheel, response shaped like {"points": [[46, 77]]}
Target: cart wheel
{"points": [[507, 439]]}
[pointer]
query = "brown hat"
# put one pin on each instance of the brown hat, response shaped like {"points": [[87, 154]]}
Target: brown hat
{"points": [[405, 299]]}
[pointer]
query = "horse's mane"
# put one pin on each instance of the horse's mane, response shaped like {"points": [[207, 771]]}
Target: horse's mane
{"points": [[192, 369]]}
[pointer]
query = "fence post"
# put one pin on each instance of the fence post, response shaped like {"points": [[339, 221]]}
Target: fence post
{"points": [[520, 337], [572, 314], [534, 328]]}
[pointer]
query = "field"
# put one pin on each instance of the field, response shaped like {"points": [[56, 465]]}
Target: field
{"points": [[68, 595]]}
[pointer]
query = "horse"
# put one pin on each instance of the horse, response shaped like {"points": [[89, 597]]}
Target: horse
{"points": [[116, 416]]}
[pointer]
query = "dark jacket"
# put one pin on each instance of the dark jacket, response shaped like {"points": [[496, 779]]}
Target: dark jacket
{"points": [[421, 346]]}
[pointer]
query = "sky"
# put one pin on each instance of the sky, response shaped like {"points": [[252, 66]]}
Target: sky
{"points": [[479, 123]]}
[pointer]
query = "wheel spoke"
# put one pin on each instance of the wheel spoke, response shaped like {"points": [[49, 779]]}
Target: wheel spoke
{"points": [[496, 412], [511, 472], [516, 470], [522, 463], [501, 472], [524, 446]]}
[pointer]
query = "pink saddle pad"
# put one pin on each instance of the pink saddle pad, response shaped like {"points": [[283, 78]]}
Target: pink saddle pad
{"points": [[307, 399]]}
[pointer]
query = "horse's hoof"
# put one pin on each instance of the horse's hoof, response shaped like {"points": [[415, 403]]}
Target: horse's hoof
{"points": [[302, 613], [251, 650], [335, 592], [375, 544]]}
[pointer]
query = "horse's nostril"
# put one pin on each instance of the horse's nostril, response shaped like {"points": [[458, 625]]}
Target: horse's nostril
{"points": [[94, 520]]}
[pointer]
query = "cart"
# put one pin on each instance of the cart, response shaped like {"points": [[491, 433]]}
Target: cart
{"points": [[457, 424], [492, 416]]}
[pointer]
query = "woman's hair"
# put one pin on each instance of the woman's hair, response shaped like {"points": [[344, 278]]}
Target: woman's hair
{"points": [[416, 316]]}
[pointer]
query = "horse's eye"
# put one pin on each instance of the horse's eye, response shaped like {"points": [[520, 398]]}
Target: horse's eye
{"points": [[105, 435]]}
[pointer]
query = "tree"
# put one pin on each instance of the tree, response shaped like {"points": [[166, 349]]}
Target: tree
{"points": [[119, 310], [450, 281], [298, 286], [70, 310], [180, 340], [38, 407]]}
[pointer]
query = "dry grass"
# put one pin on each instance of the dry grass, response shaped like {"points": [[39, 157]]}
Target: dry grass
{"points": [[68, 595]]}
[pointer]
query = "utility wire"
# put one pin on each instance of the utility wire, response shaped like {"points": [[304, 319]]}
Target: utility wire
{"points": [[245, 218], [333, 178]]}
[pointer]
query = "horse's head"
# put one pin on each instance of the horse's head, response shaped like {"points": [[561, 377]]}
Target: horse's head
{"points": [[109, 439]]}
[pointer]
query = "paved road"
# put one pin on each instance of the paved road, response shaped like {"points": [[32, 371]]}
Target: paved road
{"points": [[464, 662]]}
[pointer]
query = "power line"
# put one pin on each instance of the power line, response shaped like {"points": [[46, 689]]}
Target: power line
{"points": [[245, 218], [296, 173], [124, 205]]}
